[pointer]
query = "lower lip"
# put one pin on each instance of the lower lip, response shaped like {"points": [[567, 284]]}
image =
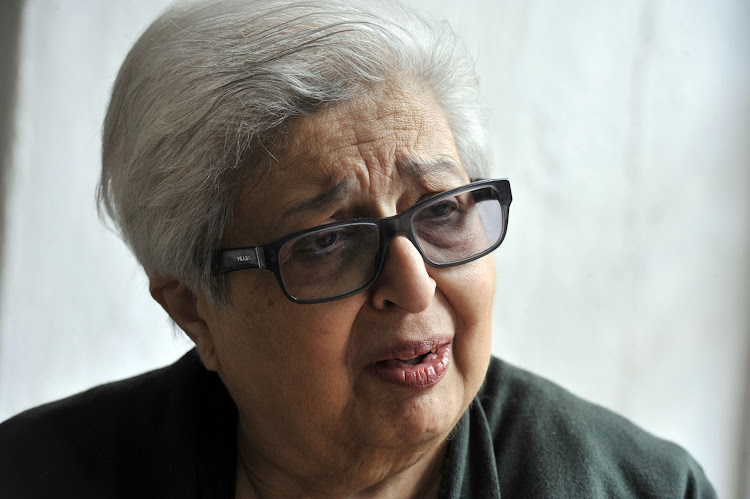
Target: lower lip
{"points": [[424, 375]]}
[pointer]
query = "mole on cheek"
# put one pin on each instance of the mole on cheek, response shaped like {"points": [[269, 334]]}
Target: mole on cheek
{"points": [[270, 302]]}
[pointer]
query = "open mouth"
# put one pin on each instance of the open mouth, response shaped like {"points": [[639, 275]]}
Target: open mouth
{"points": [[419, 359], [422, 370]]}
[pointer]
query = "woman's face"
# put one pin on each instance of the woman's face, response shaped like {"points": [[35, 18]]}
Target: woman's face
{"points": [[321, 385]]}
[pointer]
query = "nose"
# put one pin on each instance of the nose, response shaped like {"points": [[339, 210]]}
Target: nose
{"points": [[404, 281]]}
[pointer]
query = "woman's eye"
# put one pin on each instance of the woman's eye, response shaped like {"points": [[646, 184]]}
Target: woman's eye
{"points": [[439, 210], [321, 245], [326, 240]]}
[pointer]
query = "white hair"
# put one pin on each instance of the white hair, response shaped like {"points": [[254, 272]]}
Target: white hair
{"points": [[203, 94]]}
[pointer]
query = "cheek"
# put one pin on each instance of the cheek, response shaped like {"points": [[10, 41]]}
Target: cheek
{"points": [[469, 290], [274, 350]]}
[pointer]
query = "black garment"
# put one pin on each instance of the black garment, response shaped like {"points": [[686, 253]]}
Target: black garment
{"points": [[171, 433], [525, 437], [168, 433]]}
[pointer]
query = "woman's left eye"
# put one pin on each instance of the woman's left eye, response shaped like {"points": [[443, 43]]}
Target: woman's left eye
{"points": [[441, 209]]}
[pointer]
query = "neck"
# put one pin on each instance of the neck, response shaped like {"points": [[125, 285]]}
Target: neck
{"points": [[372, 477]]}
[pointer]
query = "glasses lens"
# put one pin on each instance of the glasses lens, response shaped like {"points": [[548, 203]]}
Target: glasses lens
{"points": [[460, 227], [329, 262]]}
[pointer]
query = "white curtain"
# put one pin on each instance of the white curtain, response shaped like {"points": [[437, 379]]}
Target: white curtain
{"points": [[625, 276]]}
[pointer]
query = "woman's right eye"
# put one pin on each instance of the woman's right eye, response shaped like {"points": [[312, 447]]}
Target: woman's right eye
{"points": [[326, 240], [321, 245]]}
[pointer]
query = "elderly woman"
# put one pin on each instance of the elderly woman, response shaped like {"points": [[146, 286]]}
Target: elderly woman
{"points": [[302, 183]]}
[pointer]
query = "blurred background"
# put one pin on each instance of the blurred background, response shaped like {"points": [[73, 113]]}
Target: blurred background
{"points": [[624, 127]]}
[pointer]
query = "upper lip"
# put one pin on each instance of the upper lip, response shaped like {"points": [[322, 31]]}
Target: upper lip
{"points": [[411, 349]]}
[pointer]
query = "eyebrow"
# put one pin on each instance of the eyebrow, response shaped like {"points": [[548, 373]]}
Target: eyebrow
{"points": [[340, 191], [336, 193], [417, 169]]}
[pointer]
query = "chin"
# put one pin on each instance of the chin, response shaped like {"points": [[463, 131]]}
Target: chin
{"points": [[429, 417]]}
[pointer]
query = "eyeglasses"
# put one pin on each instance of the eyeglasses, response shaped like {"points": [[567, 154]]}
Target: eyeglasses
{"points": [[339, 259]]}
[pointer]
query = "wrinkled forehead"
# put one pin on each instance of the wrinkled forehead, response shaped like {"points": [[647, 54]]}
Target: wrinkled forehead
{"points": [[381, 130], [377, 146]]}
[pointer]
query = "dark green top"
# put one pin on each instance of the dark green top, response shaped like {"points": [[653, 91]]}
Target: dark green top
{"points": [[525, 437], [171, 433]]}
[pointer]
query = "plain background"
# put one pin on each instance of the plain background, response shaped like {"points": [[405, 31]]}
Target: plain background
{"points": [[624, 127]]}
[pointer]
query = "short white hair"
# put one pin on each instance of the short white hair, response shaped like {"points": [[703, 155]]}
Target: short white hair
{"points": [[201, 97]]}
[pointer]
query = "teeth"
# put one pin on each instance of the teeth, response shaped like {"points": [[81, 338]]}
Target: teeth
{"points": [[408, 359], [413, 361]]}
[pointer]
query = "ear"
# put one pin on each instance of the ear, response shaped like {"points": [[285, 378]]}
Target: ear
{"points": [[181, 304]]}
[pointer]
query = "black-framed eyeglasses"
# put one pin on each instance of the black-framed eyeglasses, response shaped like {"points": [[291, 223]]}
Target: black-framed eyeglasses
{"points": [[340, 259]]}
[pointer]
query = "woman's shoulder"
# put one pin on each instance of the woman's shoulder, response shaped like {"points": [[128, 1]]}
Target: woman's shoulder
{"points": [[86, 444], [548, 439], [102, 407]]}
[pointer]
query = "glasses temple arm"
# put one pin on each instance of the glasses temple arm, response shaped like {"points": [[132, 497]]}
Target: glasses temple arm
{"points": [[241, 258]]}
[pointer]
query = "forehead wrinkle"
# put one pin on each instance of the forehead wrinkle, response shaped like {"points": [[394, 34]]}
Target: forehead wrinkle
{"points": [[280, 193], [336, 193], [375, 141], [399, 128], [338, 134], [321, 145]]}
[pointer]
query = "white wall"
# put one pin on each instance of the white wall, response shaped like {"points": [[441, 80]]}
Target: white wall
{"points": [[624, 127]]}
